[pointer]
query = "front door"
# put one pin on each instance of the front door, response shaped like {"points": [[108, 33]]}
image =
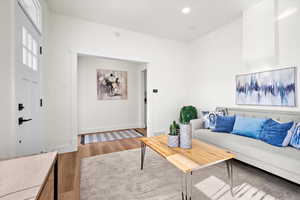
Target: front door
{"points": [[27, 86]]}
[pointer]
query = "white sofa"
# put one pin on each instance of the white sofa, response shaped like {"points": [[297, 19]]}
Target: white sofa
{"points": [[281, 161]]}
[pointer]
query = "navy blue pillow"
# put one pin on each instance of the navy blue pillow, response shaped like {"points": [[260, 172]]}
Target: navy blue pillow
{"points": [[274, 133], [224, 124]]}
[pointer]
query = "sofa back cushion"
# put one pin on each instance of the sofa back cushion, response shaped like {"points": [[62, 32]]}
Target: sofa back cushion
{"points": [[248, 126], [224, 124], [279, 115], [276, 133]]}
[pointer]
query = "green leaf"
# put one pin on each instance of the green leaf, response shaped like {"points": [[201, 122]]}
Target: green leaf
{"points": [[187, 113]]}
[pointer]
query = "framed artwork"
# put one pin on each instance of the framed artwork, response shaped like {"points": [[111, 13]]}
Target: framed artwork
{"points": [[111, 85], [269, 88]]}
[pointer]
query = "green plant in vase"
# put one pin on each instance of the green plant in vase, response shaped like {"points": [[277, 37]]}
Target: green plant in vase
{"points": [[173, 138], [187, 113], [174, 129]]}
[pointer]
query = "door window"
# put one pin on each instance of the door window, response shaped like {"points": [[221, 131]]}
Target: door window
{"points": [[30, 50]]}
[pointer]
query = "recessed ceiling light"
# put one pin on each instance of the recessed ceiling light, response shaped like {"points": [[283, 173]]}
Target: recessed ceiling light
{"points": [[186, 10]]}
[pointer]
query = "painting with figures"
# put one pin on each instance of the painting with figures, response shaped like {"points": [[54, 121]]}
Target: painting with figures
{"points": [[111, 85], [269, 88]]}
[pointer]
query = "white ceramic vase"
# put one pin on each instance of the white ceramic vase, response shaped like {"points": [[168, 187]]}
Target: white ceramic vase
{"points": [[185, 136], [173, 140]]}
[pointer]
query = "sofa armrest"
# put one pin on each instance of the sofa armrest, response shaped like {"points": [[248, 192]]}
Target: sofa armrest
{"points": [[196, 124]]}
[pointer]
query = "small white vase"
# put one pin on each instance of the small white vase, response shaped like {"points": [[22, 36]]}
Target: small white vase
{"points": [[173, 140], [185, 136]]}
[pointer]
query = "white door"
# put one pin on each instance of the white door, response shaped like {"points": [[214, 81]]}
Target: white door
{"points": [[27, 86]]}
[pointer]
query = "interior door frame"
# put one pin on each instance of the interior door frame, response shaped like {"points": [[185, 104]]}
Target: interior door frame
{"points": [[143, 108], [74, 54]]}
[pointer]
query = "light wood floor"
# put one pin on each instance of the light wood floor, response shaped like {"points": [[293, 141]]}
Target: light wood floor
{"points": [[69, 163]]}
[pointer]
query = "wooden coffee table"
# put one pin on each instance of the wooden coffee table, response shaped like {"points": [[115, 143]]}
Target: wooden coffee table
{"points": [[200, 156]]}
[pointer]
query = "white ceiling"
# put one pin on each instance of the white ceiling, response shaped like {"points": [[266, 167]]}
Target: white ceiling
{"points": [[161, 18]]}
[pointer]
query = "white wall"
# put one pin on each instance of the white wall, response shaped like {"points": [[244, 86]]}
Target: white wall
{"points": [[44, 61], [168, 61], [6, 78], [260, 34], [217, 58], [95, 115]]}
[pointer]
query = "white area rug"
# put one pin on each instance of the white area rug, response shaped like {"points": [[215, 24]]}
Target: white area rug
{"points": [[117, 176], [110, 136]]}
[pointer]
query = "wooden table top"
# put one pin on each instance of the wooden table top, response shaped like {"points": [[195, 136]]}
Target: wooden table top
{"points": [[23, 178], [201, 154]]}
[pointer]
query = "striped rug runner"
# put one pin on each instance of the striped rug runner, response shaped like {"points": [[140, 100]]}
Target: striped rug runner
{"points": [[109, 136]]}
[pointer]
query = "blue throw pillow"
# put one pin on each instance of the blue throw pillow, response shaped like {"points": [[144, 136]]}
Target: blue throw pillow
{"points": [[274, 133], [248, 126], [224, 124], [295, 141]]}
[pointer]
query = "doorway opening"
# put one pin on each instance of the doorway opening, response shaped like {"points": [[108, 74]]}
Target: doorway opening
{"points": [[111, 95]]}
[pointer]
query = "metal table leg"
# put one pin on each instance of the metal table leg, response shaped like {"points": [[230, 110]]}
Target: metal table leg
{"points": [[186, 186], [143, 150], [230, 175], [183, 184], [56, 195]]}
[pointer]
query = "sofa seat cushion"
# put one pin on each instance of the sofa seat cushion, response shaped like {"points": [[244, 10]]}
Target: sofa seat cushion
{"points": [[207, 135], [287, 158]]}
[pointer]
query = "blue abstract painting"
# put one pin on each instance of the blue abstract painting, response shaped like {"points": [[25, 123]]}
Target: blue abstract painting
{"points": [[270, 88]]}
